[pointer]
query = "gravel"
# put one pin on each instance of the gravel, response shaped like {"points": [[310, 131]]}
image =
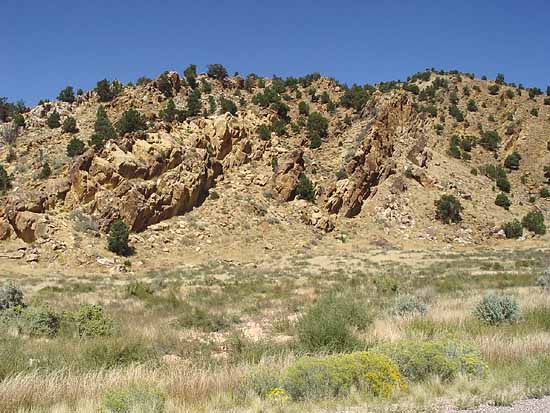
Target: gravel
{"points": [[521, 406]]}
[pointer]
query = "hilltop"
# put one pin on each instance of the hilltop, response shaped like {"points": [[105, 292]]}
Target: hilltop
{"points": [[211, 165]]}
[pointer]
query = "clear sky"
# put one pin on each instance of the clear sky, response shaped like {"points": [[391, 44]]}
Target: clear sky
{"points": [[47, 45]]}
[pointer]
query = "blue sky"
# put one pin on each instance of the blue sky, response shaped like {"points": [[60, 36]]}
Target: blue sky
{"points": [[48, 45]]}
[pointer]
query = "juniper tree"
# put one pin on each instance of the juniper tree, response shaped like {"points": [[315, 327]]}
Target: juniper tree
{"points": [[66, 95]]}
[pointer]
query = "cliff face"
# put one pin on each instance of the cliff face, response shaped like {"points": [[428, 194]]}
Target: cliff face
{"points": [[379, 167]]}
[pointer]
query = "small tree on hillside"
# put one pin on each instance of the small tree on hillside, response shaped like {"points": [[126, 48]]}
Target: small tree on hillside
{"points": [[168, 114], [117, 241], [194, 103], [317, 128], [534, 222], [305, 190], [19, 120], [217, 71], [131, 121], [448, 209], [190, 74], [499, 80], [54, 120], [104, 91], [69, 125], [66, 95], [503, 201], [512, 161], [5, 180], [75, 147]]}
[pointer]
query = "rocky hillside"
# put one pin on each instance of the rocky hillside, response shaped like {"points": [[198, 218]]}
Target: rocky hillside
{"points": [[227, 166]]}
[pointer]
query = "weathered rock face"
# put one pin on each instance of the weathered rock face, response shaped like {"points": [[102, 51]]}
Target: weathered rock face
{"points": [[146, 178], [394, 127], [287, 176]]}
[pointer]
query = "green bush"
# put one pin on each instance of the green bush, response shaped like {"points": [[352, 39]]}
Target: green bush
{"points": [[448, 209], [227, 105], [534, 221], [327, 324], [496, 309], [117, 241], [503, 201], [168, 114], [317, 126], [194, 105], [406, 304], [11, 296], [91, 321], [45, 172], [103, 129], [544, 280], [131, 121], [305, 189], [264, 132], [66, 95], [513, 229], [493, 89], [545, 193], [472, 107], [69, 125], [54, 120], [193, 317], [5, 179], [104, 91], [19, 120], [512, 161], [534, 112], [135, 398], [503, 184], [420, 360], [312, 378], [190, 74], [217, 71], [303, 108], [490, 140], [456, 113], [109, 353], [39, 322]]}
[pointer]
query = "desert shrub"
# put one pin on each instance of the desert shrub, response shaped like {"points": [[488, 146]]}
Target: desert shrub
{"points": [[39, 321], [5, 179], [11, 296], [513, 229], [534, 222], [407, 304], [264, 132], [19, 120], [303, 108], [493, 89], [311, 378], [448, 209], [534, 112], [544, 280], [91, 321], [109, 353], [456, 113], [305, 189], [454, 151], [499, 80], [510, 94], [45, 172], [117, 241], [190, 74], [503, 201], [326, 325], [547, 101], [317, 124], [168, 114], [135, 398], [493, 171], [544, 193], [503, 184], [472, 107], [490, 140], [143, 80], [227, 105], [69, 125], [66, 95], [194, 103], [278, 126], [512, 161], [54, 120], [217, 71], [130, 121], [194, 317], [421, 360], [496, 309], [102, 125], [104, 91]]}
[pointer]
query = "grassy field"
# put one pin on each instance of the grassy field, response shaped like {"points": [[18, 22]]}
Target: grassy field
{"points": [[225, 337]]}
